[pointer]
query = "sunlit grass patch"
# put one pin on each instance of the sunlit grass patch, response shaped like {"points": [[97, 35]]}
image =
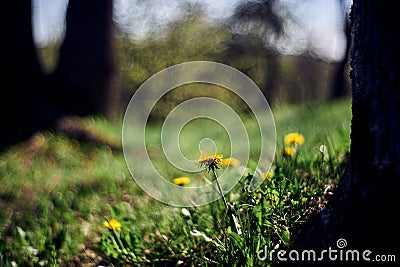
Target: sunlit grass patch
{"points": [[53, 187]]}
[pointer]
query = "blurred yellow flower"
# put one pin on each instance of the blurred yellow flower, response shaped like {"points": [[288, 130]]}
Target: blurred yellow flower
{"points": [[294, 139], [289, 151], [267, 175], [112, 224], [210, 160], [230, 162], [181, 181]]}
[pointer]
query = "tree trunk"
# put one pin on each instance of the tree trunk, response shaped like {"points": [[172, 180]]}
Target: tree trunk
{"points": [[22, 77], [84, 75], [363, 208], [374, 174], [84, 83]]}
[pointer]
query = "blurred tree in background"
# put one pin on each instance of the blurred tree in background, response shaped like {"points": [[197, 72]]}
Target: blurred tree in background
{"points": [[22, 108], [189, 39], [265, 26], [341, 84], [84, 80], [81, 83], [248, 41]]}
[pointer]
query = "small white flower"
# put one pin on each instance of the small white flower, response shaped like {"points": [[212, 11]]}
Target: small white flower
{"points": [[195, 232], [43, 263], [185, 212], [323, 149], [33, 251], [21, 232], [206, 238]]}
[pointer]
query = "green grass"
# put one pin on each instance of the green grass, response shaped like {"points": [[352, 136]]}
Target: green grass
{"points": [[55, 194]]}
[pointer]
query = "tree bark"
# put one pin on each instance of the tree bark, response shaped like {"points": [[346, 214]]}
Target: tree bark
{"points": [[364, 205], [374, 174]]}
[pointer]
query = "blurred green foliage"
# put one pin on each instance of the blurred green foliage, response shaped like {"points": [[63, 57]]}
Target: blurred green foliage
{"points": [[190, 39], [282, 78]]}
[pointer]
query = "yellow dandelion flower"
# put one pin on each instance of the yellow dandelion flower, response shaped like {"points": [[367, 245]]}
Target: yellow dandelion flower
{"points": [[294, 139], [289, 151], [267, 175], [210, 160], [230, 162], [112, 224], [181, 181]]}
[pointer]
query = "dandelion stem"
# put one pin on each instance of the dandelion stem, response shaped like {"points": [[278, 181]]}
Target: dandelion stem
{"points": [[220, 189]]}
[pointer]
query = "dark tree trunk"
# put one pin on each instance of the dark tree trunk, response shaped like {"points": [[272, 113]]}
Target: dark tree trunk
{"points": [[84, 83], [83, 77], [365, 203], [22, 77], [374, 175]]}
